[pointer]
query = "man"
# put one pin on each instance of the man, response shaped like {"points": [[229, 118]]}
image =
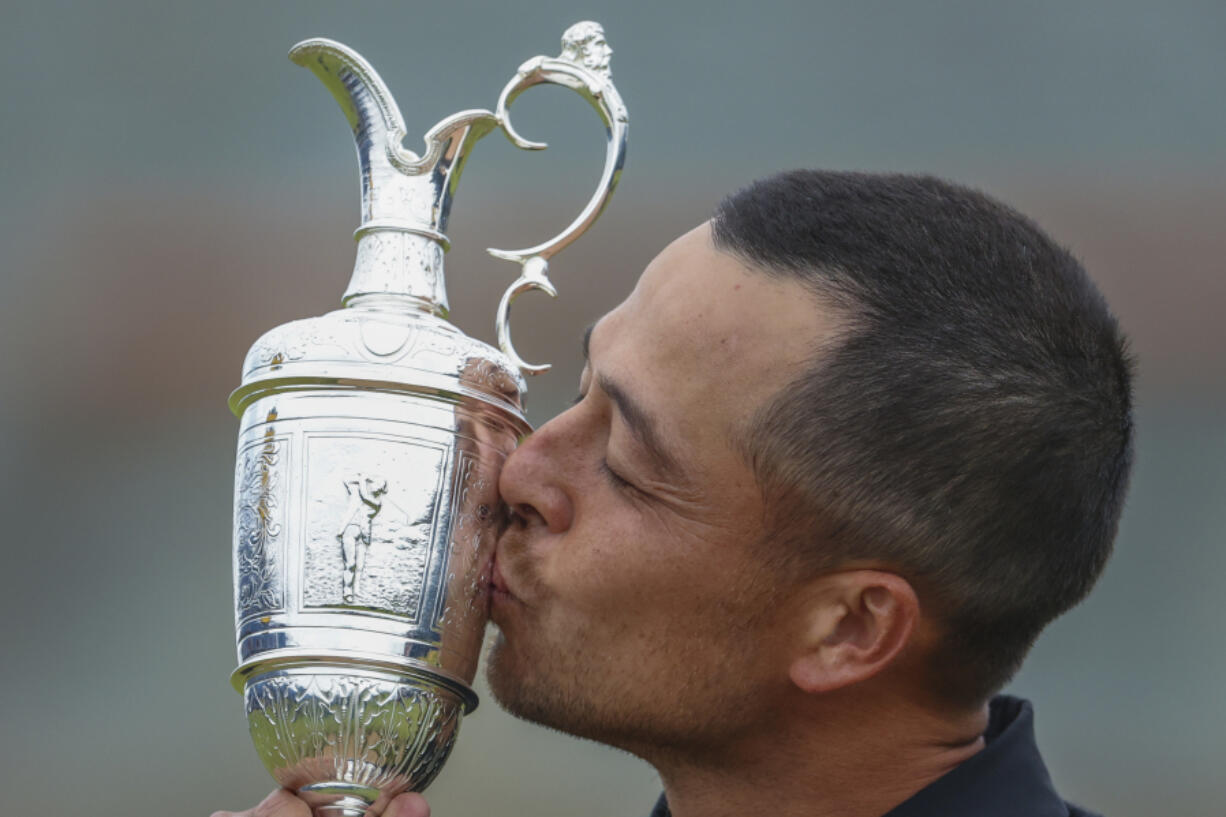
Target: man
{"points": [[838, 458]]}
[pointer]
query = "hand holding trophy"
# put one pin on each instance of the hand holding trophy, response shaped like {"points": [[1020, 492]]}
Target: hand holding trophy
{"points": [[366, 503]]}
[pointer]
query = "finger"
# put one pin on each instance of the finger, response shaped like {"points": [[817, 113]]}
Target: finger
{"points": [[281, 803], [408, 805], [251, 812]]}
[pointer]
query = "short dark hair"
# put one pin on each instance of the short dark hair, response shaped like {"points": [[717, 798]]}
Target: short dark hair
{"points": [[972, 425]]}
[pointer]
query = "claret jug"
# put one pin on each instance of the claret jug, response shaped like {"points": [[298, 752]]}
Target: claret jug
{"points": [[366, 505]]}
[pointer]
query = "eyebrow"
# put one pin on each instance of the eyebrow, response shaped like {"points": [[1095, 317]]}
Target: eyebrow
{"points": [[640, 422]]}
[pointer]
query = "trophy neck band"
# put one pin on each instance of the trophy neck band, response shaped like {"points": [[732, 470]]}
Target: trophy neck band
{"points": [[404, 227], [401, 262]]}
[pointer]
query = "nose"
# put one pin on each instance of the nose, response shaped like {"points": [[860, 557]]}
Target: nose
{"points": [[534, 481]]}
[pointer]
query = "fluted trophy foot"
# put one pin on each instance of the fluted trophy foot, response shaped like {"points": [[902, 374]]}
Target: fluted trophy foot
{"points": [[336, 799], [342, 810]]}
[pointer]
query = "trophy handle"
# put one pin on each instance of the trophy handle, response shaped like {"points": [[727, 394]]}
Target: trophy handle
{"points": [[584, 68]]}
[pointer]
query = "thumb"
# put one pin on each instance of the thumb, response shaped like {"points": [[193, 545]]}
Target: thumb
{"points": [[410, 804], [281, 803]]}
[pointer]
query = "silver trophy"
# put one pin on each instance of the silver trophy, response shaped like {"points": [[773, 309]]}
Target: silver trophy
{"points": [[365, 503]]}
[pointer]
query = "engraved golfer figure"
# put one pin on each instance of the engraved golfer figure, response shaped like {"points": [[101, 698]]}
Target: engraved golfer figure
{"points": [[365, 502]]}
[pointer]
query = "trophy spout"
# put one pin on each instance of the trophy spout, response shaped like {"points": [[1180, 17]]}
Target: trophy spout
{"points": [[405, 198]]}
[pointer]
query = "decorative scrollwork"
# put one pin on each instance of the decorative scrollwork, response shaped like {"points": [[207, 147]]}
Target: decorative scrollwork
{"points": [[351, 729], [257, 530], [583, 66]]}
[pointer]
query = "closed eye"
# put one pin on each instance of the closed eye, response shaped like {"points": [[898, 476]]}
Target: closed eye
{"points": [[617, 480]]}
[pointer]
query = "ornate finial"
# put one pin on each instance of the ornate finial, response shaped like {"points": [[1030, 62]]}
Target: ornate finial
{"points": [[585, 44]]}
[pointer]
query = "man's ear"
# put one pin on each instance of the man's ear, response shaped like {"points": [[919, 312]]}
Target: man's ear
{"points": [[855, 624]]}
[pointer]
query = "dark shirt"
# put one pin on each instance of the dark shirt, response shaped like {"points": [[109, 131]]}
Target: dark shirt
{"points": [[1006, 779]]}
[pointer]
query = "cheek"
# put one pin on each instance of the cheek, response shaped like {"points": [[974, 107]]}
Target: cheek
{"points": [[641, 588]]}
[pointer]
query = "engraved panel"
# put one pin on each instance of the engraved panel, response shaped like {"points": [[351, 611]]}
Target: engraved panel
{"points": [[370, 521], [259, 503]]}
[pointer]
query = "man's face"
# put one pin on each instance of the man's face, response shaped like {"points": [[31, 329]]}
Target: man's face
{"points": [[635, 607]]}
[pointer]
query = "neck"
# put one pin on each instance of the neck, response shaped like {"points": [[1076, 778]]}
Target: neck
{"points": [[850, 757]]}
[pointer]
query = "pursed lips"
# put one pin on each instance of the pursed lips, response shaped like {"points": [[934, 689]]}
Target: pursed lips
{"points": [[497, 582], [500, 590]]}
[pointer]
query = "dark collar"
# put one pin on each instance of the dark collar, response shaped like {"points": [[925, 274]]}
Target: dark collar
{"points": [[1006, 779]]}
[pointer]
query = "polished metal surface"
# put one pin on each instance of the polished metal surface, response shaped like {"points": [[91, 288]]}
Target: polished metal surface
{"points": [[583, 66], [366, 503]]}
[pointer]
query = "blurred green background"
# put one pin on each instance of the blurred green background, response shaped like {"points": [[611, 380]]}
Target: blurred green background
{"points": [[173, 187]]}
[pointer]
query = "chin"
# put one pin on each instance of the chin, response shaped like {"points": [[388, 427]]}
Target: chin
{"points": [[521, 688], [512, 688], [561, 701]]}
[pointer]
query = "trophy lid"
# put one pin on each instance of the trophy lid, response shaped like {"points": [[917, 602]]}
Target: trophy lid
{"points": [[381, 347]]}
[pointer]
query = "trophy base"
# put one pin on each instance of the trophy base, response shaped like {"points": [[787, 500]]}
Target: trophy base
{"points": [[338, 799], [348, 738]]}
